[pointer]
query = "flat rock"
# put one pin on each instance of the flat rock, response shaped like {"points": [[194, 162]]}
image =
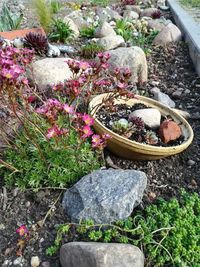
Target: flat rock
{"points": [[156, 24], [92, 254], [111, 41], [150, 116], [104, 30], [105, 195], [169, 34], [49, 71], [133, 58]]}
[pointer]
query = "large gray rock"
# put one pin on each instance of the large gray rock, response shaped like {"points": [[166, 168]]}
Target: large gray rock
{"points": [[168, 34], [133, 8], [92, 254], [105, 195], [133, 58], [50, 71], [111, 41], [104, 30]]}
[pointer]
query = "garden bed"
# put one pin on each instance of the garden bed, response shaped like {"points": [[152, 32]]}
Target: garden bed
{"points": [[169, 68]]}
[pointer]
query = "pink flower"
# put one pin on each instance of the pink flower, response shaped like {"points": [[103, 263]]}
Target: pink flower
{"points": [[88, 120], [96, 141], [53, 132], [87, 132], [68, 109], [22, 230], [84, 65], [106, 136], [106, 56]]}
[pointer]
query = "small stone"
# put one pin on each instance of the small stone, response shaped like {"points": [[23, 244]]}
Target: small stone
{"points": [[147, 12], [18, 43], [177, 94], [35, 261], [164, 8], [169, 131], [194, 183], [66, 49], [2, 227], [19, 261], [28, 204], [150, 116], [162, 97], [187, 91], [45, 264], [53, 51], [191, 162]]}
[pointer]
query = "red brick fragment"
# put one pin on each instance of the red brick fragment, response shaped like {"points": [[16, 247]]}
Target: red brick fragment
{"points": [[169, 131]]}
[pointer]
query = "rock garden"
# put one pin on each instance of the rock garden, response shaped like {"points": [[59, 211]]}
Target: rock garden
{"points": [[99, 136]]}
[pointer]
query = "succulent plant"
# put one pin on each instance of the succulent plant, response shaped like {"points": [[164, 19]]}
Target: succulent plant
{"points": [[121, 126], [151, 138], [37, 41], [137, 122], [128, 2], [156, 14]]}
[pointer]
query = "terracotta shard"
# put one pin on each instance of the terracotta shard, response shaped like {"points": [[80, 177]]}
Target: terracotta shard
{"points": [[169, 131]]}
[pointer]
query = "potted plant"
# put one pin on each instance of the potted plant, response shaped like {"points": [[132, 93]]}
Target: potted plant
{"points": [[129, 149]]}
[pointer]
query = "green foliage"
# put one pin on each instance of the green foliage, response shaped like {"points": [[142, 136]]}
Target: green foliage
{"points": [[102, 3], [90, 50], [87, 32], [168, 232], [55, 6], [8, 20], [44, 13], [191, 3], [58, 163], [124, 28], [60, 31], [136, 33]]}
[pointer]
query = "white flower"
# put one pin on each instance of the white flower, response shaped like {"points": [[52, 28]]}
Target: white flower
{"points": [[89, 21]]}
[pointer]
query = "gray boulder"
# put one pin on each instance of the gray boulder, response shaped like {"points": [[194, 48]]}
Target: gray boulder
{"points": [[105, 195], [104, 30], [92, 254], [49, 71], [77, 17], [133, 8], [133, 58], [168, 34], [111, 41], [72, 26]]}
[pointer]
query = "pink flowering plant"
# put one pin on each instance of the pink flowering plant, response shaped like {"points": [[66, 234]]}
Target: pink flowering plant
{"points": [[56, 145]]}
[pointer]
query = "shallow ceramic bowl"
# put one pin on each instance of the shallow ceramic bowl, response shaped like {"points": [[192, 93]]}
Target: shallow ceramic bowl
{"points": [[128, 149]]}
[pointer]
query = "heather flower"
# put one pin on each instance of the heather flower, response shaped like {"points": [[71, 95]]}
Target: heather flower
{"points": [[88, 120], [31, 99], [22, 230], [87, 132]]}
